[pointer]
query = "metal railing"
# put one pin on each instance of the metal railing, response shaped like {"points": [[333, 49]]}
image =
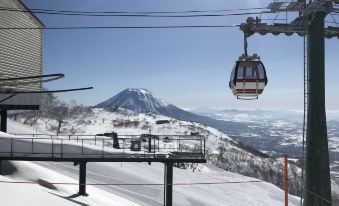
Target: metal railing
{"points": [[95, 146]]}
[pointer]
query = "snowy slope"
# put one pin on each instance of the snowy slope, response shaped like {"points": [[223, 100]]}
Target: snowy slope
{"points": [[231, 194], [222, 151], [245, 194], [35, 194]]}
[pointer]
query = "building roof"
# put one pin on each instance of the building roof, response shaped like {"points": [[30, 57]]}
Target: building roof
{"points": [[33, 16]]}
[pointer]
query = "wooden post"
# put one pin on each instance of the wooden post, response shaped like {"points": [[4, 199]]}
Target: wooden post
{"points": [[286, 180]]}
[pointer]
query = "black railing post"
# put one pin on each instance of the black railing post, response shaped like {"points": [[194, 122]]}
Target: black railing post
{"points": [[168, 184], [201, 147], [103, 147], [149, 147], [52, 147], [61, 150], [115, 138], [179, 144], [32, 146], [123, 146], [149, 144], [82, 178], [204, 147], [154, 147], [82, 146], [11, 147], [3, 113]]}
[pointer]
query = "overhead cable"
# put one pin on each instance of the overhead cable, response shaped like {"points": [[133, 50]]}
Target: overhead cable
{"points": [[147, 15], [120, 27], [127, 12]]}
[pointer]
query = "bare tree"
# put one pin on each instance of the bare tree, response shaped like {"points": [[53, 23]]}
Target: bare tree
{"points": [[59, 112]]}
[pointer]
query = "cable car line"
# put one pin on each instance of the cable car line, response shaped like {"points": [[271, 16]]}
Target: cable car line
{"points": [[120, 27], [147, 15], [129, 12]]}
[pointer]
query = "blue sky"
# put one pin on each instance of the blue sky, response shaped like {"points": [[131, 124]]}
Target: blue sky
{"points": [[186, 67]]}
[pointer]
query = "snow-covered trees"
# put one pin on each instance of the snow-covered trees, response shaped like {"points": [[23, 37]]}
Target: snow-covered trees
{"points": [[52, 109]]}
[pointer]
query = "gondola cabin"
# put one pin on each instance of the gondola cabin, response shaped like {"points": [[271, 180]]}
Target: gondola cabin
{"points": [[248, 78]]}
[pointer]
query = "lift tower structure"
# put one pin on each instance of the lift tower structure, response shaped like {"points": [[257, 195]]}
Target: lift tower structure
{"points": [[309, 23]]}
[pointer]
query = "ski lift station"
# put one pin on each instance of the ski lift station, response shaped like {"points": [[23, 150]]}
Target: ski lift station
{"points": [[21, 82]]}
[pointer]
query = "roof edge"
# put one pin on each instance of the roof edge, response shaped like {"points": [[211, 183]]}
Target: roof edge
{"points": [[37, 20]]}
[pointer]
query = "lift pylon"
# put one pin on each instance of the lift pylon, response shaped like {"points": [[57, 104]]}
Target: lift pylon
{"points": [[309, 23]]}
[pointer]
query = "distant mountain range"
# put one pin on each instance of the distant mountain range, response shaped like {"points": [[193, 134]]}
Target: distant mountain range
{"points": [[143, 101]]}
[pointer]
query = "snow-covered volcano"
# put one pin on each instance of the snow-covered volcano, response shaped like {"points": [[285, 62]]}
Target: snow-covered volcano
{"points": [[143, 101], [138, 100]]}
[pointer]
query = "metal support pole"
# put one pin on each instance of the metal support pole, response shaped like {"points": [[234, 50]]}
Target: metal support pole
{"points": [[286, 179], [168, 184], [61, 149], [245, 44], [82, 178], [3, 126], [149, 144], [103, 145], [32, 146], [317, 182], [11, 147], [115, 140], [52, 147], [149, 147], [204, 147], [179, 150]]}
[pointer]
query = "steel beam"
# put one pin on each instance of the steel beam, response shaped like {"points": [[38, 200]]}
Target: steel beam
{"points": [[317, 182], [82, 179], [3, 123], [168, 184]]}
